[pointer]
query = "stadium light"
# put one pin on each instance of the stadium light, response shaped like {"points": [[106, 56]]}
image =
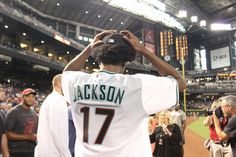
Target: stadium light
{"points": [[86, 39], [5, 58], [194, 18], [220, 26], [151, 9], [41, 68], [90, 39], [61, 39], [182, 14], [50, 54], [80, 37], [121, 22], [35, 49], [24, 34], [203, 23], [67, 52], [6, 26], [22, 45], [99, 16], [42, 41]]}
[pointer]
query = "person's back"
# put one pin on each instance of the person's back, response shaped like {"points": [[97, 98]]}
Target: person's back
{"points": [[46, 143], [112, 108], [109, 109], [53, 124]]}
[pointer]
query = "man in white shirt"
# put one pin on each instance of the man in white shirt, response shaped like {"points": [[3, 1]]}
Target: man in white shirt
{"points": [[52, 135], [110, 109]]}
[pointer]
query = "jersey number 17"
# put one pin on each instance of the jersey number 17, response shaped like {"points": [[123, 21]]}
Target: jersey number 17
{"points": [[109, 113]]}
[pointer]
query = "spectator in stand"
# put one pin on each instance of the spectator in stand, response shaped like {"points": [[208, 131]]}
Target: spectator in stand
{"points": [[217, 149], [21, 126], [3, 139]]}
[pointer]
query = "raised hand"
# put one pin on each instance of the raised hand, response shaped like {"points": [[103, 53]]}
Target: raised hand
{"points": [[133, 40], [98, 38]]}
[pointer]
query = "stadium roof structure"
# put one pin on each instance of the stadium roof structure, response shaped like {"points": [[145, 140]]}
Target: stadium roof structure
{"points": [[99, 14]]}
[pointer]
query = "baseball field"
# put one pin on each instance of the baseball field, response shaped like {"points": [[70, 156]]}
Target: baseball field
{"points": [[195, 135], [198, 128]]}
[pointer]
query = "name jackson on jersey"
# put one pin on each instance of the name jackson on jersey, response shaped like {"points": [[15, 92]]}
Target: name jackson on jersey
{"points": [[98, 92]]}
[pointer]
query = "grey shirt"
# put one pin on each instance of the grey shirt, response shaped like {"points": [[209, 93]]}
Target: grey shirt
{"points": [[21, 121], [230, 130], [2, 125]]}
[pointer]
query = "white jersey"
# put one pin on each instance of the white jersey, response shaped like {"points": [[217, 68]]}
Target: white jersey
{"points": [[53, 132], [110, 111]]}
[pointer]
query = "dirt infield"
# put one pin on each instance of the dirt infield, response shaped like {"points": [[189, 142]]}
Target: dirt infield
{"points": [[194, 143]]}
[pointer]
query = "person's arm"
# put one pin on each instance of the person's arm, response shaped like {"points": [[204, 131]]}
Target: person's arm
{"points": [[176, 136], [152, 137], [207, 121], [222, 136], [77, 63], [20, 137], [58, 125], [183, 125], [10, 124], [4, 146], [166, 130], [161, 66], [183, 121]]}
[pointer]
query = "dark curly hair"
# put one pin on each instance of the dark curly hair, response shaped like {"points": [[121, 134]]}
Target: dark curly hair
{"points": [[114, 54]]}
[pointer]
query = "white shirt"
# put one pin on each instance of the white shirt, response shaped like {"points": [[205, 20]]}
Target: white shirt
{"points": [[52, 135], [110, 111]]}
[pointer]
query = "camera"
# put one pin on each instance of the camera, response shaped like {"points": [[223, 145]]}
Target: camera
{"points": [[218, 111]]}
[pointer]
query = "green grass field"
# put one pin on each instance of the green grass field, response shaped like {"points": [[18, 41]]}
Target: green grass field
{"points": [[198, 127]]}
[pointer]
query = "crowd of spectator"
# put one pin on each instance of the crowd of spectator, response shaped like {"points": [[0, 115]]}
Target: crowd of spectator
{"points": [[32, 21], [13, 95], [25, 51]]}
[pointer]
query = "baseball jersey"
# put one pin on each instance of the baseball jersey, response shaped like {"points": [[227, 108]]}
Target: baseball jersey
{"points": [[110, 111]]}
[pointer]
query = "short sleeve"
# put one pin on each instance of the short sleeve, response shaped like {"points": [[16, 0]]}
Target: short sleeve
{"points": [[230, 128], [2, 123], [68, 80], [10, 120], [183, 116], [158, 93]]}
